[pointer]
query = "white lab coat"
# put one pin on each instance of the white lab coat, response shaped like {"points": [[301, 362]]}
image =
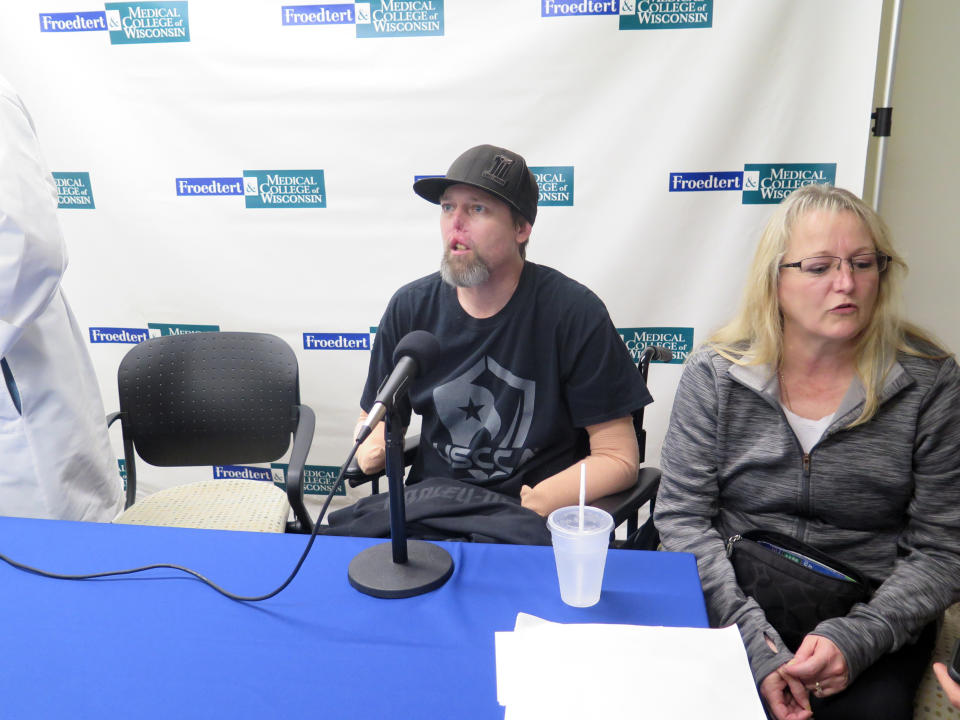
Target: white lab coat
{"points": [[55, 459]]}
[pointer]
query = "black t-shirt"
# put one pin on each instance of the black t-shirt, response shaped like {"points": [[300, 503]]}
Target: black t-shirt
{"points": [[506, 402]]}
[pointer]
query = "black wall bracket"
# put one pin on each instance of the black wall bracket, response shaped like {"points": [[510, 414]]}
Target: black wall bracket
{"points": [[882, 121]]}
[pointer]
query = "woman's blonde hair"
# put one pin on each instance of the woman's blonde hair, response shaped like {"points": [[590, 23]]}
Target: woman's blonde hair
{"points": [[755, 335]]}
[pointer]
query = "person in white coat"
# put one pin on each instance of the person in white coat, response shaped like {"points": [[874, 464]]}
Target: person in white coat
{"points": [[55, 456]]}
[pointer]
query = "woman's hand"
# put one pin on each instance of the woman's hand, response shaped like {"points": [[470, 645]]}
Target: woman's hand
{"points": [[950, 688], [785, 696], [819, 666]]}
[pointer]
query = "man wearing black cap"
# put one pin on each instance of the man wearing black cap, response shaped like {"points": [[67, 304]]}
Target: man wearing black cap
{"points": [[532, 375]]}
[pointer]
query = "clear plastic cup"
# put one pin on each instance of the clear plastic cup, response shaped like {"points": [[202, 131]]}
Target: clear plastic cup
{"points": [[580, 554]]}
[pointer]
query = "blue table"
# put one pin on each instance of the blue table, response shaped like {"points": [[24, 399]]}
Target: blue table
{"points": [[161, 644]]}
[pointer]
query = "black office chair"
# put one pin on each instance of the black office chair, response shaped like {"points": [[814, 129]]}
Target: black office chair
{"points": [[217, 398], [625, 506]]}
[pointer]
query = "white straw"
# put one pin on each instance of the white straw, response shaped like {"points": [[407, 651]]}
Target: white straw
{"points": [[583, 491]]}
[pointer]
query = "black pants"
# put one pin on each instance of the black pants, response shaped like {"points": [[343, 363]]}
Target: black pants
{"points": [[886, 689]]}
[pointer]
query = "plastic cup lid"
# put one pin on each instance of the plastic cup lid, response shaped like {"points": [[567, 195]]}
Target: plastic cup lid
{"points": [[567, 520]]}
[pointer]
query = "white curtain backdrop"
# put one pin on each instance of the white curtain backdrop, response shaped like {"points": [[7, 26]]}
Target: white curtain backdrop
{"points": [[646, 137]]}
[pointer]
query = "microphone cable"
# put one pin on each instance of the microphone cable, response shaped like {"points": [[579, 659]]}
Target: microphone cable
{"points": [[194, 573]]}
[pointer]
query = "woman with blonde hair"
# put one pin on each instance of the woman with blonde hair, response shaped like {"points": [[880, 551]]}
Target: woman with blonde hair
{"points": [[820, 415]]}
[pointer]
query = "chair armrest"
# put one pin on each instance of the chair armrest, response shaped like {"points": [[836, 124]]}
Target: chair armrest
{"points": [[356, 477], [302, 439], [624, 505]]}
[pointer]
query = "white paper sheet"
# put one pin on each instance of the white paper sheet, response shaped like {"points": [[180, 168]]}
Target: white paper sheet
{"points": [[556, 671]]}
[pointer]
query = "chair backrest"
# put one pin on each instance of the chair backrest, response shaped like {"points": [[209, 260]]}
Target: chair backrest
{"points": [[650, 353], [209, 398], [625, 506]]}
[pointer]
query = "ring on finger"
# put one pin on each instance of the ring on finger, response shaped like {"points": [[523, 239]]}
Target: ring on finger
{"points": [[817, 689]]}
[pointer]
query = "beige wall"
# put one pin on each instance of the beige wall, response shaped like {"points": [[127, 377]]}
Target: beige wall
{"points": [[918, 197]]}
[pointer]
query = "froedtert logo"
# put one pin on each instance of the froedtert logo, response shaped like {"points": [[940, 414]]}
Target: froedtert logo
{"points": [[73, 21], [74, 191], [317, 479], [284, 189], [165, 329], [209, 186], [679, 340], [665, 15], [318, 14], [242, 472], [563, 8], [705, 181], [556, 184], [336, 341], [399, 18], [129, 336], [147, 22], [768, 184]]}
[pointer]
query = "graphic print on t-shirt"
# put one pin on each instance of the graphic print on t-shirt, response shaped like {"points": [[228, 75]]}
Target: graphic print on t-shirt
{"points": [[487, 412]]}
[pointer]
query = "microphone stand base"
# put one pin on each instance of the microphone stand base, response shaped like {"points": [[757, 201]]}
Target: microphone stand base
{"points": [[374, 572]]}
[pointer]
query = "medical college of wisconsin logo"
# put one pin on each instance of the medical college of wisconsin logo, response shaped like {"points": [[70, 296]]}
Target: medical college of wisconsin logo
{"points": [[317, 479], [373, 19], [555, 183], [765, 184], [127, 23], [678, 340], [165, 329], [638, 14], [284, 188], [758, 183], [134, 336], [669, 14], [262, 188], [74, 191]]}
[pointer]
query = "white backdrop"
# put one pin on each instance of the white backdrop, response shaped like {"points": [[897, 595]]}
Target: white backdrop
{"points": [[611, 112]]}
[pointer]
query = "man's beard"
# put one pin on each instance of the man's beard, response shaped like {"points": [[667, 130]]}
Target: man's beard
{"points": [[461, 272]]}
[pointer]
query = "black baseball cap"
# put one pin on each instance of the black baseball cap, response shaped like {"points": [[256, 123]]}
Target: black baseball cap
{"points": [[499, 171]]}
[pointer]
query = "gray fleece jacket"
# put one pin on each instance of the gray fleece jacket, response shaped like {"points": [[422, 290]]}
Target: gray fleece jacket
{"points": [[883, 497]]}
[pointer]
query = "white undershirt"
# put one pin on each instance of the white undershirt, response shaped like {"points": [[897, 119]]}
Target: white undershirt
{"points": [[808, 431]]}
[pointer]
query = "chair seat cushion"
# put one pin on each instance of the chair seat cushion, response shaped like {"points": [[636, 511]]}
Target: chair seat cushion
{"points": [[213, 504]]}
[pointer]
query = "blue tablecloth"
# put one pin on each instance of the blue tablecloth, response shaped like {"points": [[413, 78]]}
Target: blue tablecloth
{"points": [[161, 644]]}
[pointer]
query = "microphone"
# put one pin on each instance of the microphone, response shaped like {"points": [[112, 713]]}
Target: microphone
{"points": [[413, 356], [655, 353], [398, 569]]}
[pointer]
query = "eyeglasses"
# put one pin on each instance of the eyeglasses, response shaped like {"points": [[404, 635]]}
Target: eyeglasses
{"points": [[819, 266]]}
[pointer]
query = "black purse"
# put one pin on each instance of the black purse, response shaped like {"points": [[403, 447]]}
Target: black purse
{"points": [[796, 585]]}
